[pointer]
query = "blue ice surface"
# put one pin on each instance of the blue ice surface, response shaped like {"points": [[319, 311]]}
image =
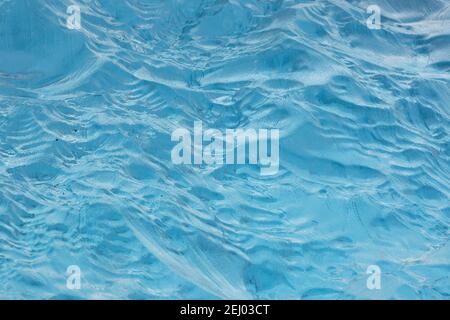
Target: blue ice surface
{"points": [[86, 176]]}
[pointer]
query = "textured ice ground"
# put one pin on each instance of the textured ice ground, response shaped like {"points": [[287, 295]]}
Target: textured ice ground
{"points": [[85, 171]]}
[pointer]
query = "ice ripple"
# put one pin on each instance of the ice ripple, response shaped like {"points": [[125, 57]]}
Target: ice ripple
{"points": [[85, 170]]}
